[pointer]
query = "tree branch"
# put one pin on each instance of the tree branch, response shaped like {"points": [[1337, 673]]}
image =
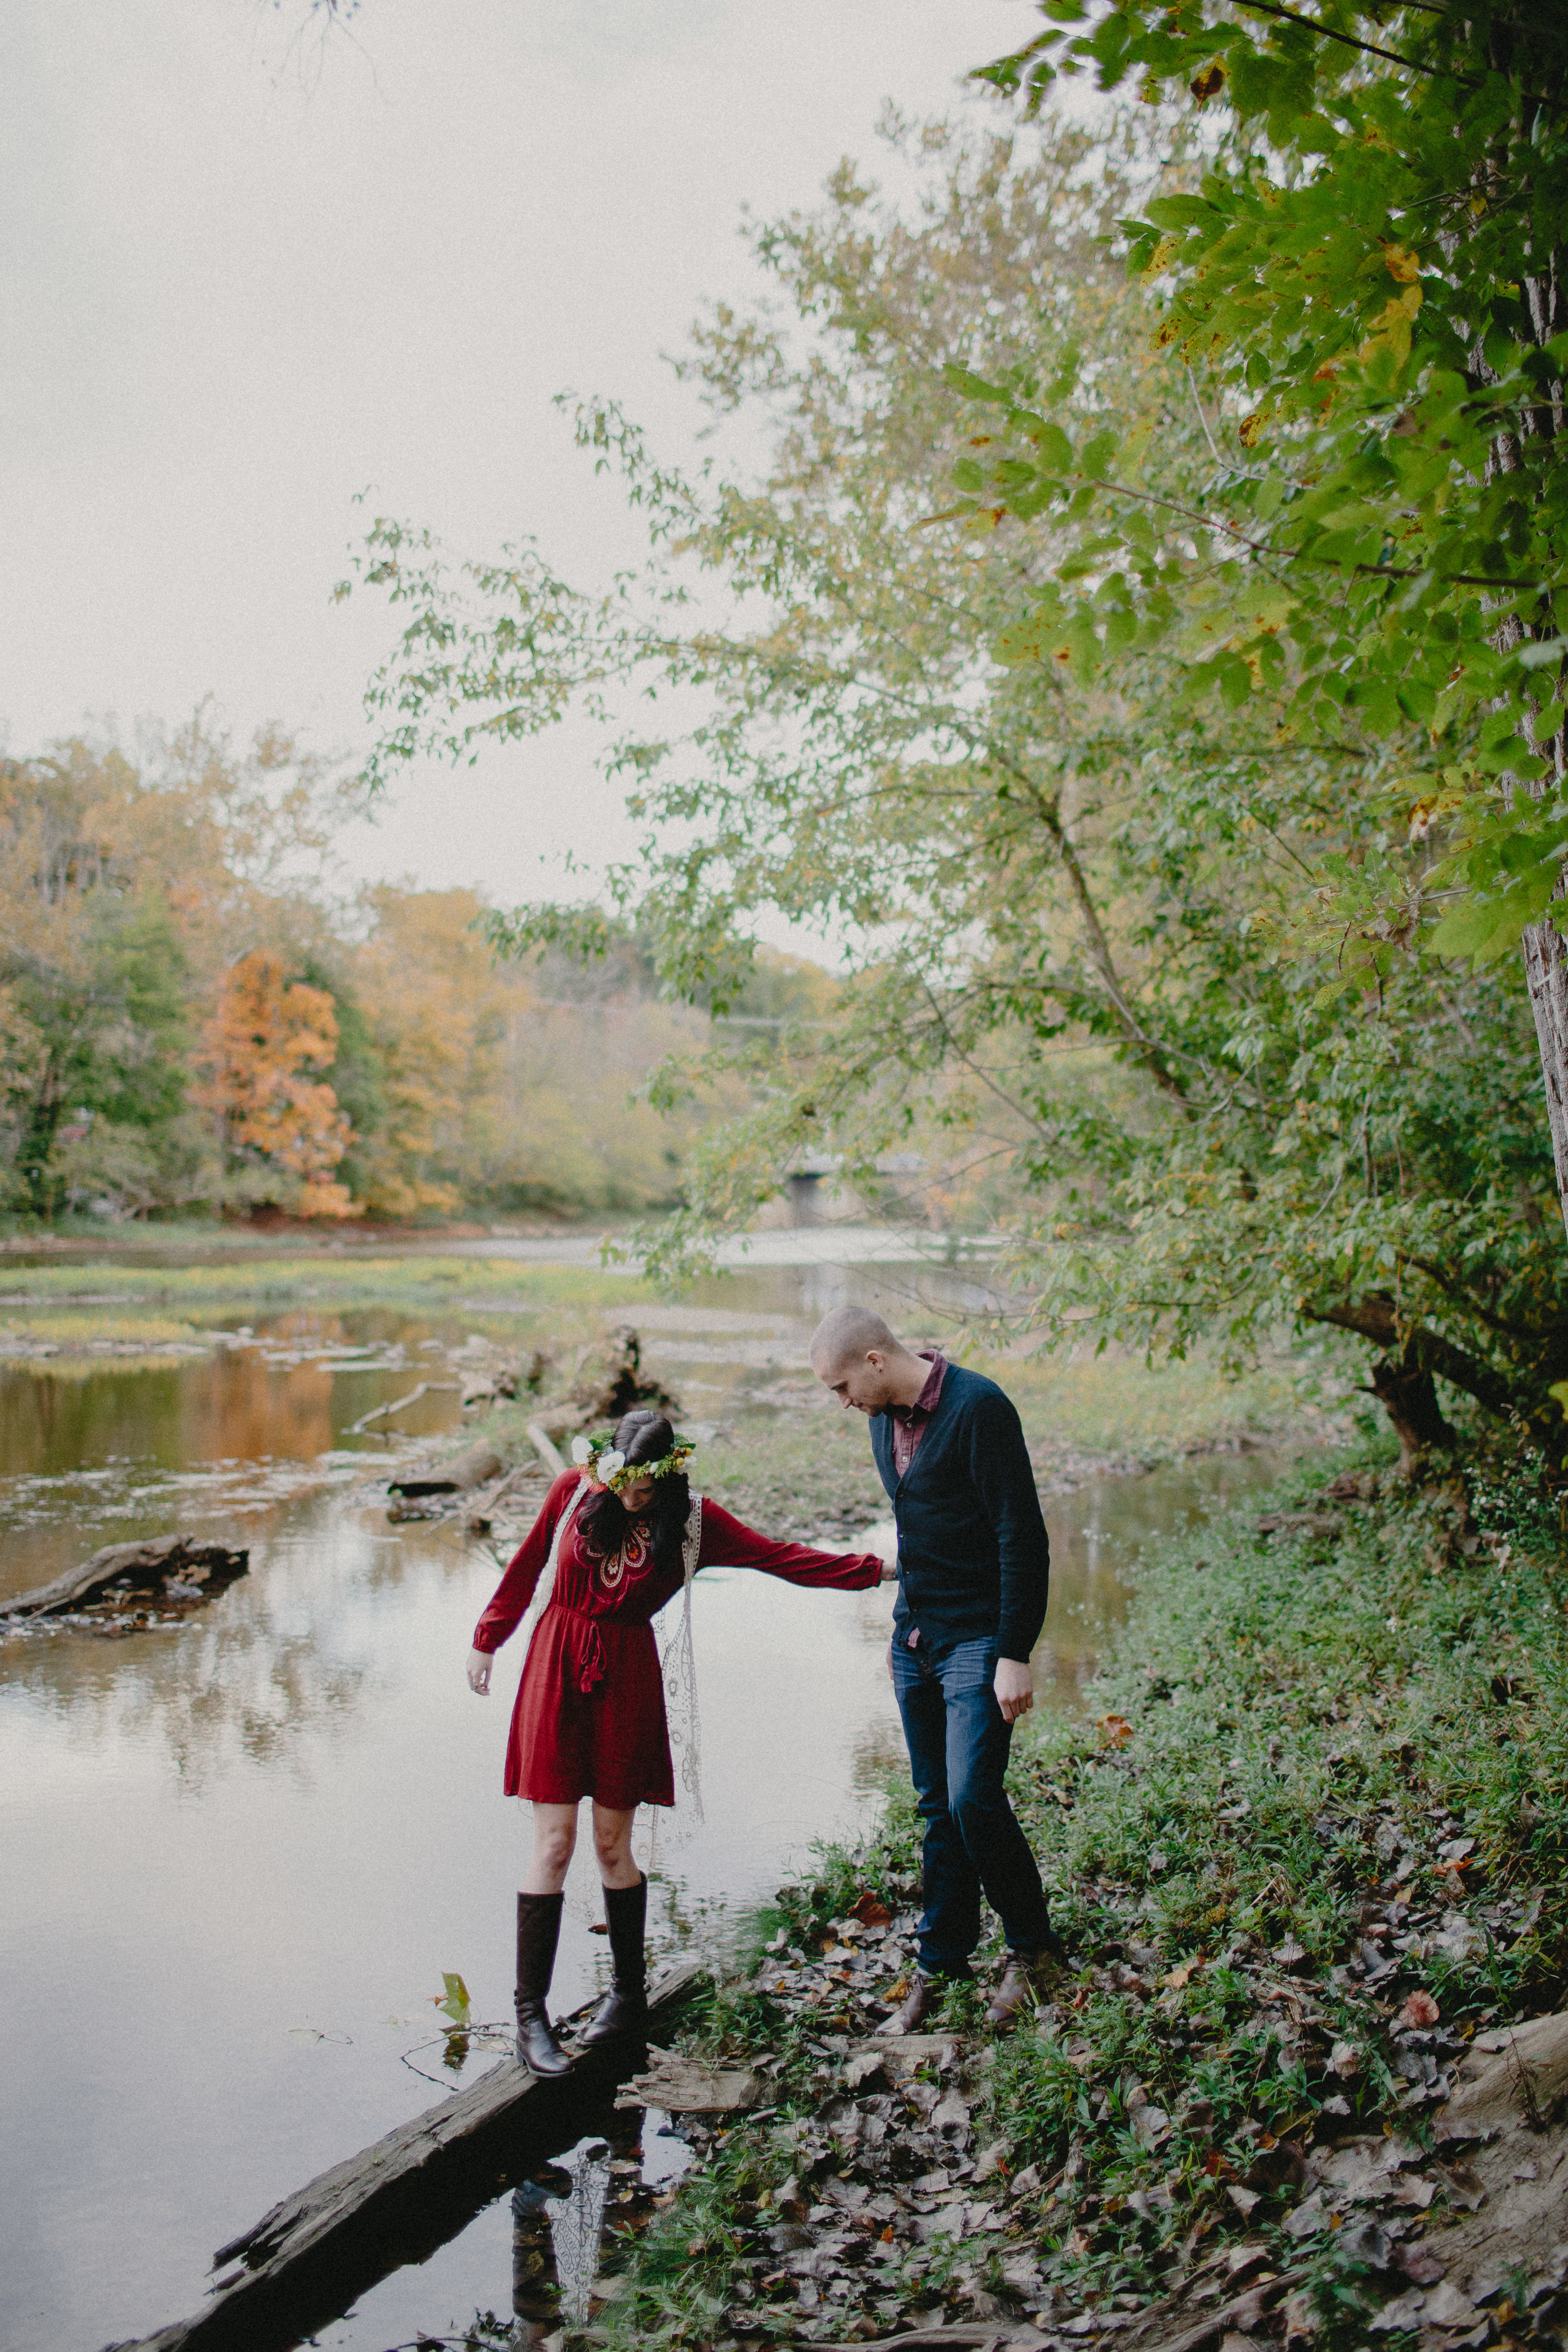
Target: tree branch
{"points": [[1373, 1317], [1368, 48]]}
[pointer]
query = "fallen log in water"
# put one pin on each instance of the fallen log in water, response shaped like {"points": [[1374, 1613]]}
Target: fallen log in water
{"points": [[309, 2258], [475, 1466], [163, 1571]]}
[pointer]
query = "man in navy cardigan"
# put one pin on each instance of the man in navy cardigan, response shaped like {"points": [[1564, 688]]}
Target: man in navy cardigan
{"points": [[974, 1565]]}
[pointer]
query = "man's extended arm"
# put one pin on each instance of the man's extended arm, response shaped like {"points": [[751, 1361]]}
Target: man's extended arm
{"points": [[1005, 1481]]}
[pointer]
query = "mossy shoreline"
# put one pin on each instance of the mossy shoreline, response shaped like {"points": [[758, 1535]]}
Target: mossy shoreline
{"points": [[1327, 1770]]}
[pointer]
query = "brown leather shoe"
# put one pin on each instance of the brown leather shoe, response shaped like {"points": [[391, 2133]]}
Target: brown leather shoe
{"points": [[918, 2001], [1028, 1978]]}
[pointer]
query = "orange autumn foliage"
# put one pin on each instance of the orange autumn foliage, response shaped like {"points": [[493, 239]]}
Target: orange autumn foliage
{"points": [[280, 1130]]}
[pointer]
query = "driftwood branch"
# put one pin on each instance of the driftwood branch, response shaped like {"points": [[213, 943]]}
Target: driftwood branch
{"points": [[984, 2335], [476, 1466], [315, 2253], [144, 1568], [1150, 2329], [549, 1452], [385, 1412]]}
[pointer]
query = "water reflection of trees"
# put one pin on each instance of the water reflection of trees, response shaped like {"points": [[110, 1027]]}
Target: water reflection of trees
{"points": [[235, 1404], [51, 1424], [245, 1684], [263, 1698], [250, 1409]]}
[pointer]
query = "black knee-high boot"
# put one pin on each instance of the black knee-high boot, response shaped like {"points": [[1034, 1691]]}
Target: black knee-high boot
{"points": [[624, 2009], [538, 1931]]}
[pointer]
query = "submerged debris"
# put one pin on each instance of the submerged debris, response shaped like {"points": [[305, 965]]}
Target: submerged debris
{"points": [[129, 1585], [605, 1379]]}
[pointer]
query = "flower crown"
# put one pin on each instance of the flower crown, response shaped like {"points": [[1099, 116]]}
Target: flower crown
{"points": [[609, 1467]]}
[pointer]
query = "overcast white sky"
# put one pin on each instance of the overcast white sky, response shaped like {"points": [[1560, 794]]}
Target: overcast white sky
{"points": [[241, 284]]}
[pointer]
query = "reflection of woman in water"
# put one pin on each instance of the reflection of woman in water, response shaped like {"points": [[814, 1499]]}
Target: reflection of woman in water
{"points": [[621, 1534]]}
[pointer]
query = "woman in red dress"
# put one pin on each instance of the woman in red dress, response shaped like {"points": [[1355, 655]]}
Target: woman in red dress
{"points": [[622, 1535]]}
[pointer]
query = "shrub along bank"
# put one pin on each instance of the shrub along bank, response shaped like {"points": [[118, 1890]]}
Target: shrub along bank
{"points": [[1308, 1842]]}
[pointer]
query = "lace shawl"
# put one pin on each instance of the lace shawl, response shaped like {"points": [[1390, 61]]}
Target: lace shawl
{"points": [[678, 1663]]}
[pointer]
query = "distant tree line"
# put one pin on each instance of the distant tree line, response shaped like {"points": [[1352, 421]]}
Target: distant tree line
{"points": [[192, 1022]]}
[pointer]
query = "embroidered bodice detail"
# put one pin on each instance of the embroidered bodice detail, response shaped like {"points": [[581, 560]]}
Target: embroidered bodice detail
{"points": [[627, 1564]]}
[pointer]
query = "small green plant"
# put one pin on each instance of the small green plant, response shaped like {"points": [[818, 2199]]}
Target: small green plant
{"points": [[455, 2004]]}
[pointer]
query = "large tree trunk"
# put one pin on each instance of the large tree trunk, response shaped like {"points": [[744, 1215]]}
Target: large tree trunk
{"points": [[1408, 1394], [1404, 1377], [1545, 951], [1546, 970]]}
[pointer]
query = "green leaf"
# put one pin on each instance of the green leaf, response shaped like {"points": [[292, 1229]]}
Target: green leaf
{"points": [[456, 2004], [1056, 450], [1037, 639], [1477, 931], [1183, 212], [975, 387]]}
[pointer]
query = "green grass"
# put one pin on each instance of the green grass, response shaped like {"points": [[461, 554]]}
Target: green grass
{"points": [[1116, 1403], [68, 1328], [429, 1285]]}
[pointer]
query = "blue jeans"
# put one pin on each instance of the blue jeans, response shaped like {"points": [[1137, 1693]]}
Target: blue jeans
{"points": [[958, 1741]]}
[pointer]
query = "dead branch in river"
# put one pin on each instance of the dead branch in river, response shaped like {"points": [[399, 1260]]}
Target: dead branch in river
{"points": [[161, 1571], [307, 2259]]}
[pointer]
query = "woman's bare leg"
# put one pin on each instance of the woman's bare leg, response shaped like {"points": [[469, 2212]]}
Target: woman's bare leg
{"points": [[612, 1844], [554, 1835]]}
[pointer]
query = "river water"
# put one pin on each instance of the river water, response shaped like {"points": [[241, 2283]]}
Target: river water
{"points": [[239, 1855]]}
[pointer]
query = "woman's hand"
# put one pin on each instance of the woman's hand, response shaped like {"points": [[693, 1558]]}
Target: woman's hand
{"points": [[480, 1673]]}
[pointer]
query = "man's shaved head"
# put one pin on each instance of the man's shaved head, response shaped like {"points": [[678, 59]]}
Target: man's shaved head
{"points": [[855, 1354], [851, 1331]]}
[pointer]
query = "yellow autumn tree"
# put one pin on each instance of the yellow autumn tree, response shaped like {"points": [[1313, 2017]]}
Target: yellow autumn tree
{"points": [[436, 1007], [281, 1132]]}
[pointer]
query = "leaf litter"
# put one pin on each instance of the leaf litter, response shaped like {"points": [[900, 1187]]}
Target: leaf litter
{"points": [[1255, 2110]]}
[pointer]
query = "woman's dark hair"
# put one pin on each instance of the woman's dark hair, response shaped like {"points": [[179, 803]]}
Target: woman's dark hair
{"points": [[605, 1522]]}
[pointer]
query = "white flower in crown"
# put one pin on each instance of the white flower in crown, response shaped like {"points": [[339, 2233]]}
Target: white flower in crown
{"points": [[609, 1462], [582, 1451]]}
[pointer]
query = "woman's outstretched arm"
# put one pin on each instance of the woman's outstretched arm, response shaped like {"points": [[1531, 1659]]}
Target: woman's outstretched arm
{"points": [[728, 1542], [515, 1591]]}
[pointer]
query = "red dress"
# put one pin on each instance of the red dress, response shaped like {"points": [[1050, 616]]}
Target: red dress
{"points": [[589, 1719]]}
